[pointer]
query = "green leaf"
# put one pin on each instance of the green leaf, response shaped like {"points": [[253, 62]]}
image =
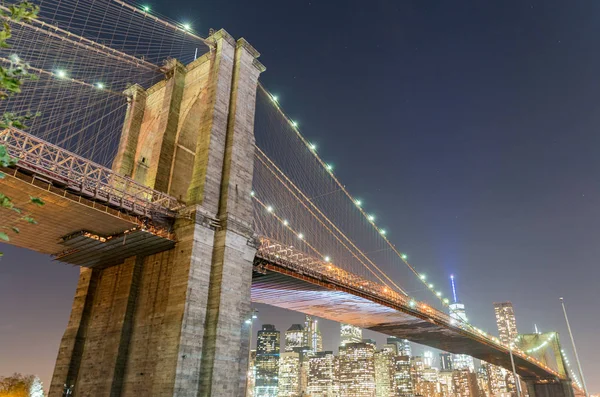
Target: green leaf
{"points": [[16, 229], [37, 201], [17, 210], [2, 175], [6, 202], [4, 236], [30, 220]]}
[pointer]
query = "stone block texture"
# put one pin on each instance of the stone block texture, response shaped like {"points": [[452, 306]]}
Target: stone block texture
{"points": [[173, 323]]}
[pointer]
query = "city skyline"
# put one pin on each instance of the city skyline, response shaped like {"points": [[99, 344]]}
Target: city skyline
{"points": [[364, 368]]}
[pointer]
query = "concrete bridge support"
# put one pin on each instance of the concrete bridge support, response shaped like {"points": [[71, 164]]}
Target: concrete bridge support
{"points": [[540, 388], [173, 323]]}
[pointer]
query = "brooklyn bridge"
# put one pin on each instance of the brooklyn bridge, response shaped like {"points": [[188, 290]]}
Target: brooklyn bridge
{"points": [[181, 189]]}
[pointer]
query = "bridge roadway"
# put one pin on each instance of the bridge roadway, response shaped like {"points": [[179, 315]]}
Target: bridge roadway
{"points": [[87, 223], [290, 279]]}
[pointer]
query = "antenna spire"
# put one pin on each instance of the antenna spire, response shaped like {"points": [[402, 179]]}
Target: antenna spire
{"points": [[453, 288]]}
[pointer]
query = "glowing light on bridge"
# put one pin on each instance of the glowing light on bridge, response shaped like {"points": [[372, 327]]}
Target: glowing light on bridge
{"points": [[275, 98], [312, 146], [327, 259], [404, 256], [186, 26], [269, 209], [294, 124], [431, 286], [252, 193], [329, 167], [358, 202], [285, 222], [438, 294], [146, 8], [99, 86], [412, 303], [371, 218], [61, 73], [382, 231], [422, 276], [300, 236]]}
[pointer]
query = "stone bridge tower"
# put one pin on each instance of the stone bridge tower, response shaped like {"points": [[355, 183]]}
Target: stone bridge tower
{"points": [[173, 323]]}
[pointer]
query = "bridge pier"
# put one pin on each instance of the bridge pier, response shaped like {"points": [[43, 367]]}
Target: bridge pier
{"points": [[541, 388], [174, 323]]}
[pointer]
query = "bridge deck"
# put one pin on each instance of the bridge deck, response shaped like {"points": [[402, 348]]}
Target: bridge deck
{"points": [[65, 215], [319, 290]]}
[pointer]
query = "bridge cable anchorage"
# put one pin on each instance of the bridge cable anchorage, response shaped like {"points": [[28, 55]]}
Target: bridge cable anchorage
{"points": [[327, 167], [272, 166]]}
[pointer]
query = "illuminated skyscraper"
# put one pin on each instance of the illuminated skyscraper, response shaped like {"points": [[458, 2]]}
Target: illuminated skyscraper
{"points": [[312, 335], [506, 322], [295, 338], [289, 374], [428, 359], [402, 377], [496, 377], [458, 313], [349, 334], [357, 369], [322, 380], [267, 362], [507, 330], [251, 374], [465, 383], [385, 370], [445, 383]]}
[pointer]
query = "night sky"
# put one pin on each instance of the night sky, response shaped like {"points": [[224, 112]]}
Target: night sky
{"points": [[471, 126]]}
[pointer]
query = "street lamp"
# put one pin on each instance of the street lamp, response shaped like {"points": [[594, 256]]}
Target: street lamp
{"points": [[250, 321], [512, 361], [562, 301]]}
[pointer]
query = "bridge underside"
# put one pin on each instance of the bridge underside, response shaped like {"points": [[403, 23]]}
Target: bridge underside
{"points": [[334, 303], [75, 229]]}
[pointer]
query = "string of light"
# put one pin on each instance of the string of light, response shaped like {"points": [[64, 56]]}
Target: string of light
{"points": [[358, 203]]}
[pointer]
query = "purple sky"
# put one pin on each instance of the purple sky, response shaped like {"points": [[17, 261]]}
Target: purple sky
{"points": [[471, 126]]}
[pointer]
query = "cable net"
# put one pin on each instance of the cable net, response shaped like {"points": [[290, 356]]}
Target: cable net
{"points": [[85, 53]]}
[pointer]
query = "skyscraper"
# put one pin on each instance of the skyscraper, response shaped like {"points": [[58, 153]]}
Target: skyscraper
{"points": [[357, 369], [465, 383], [251, 374], [459, 314], [506, 322], [312, 335], [402, 377], [322, 380], [267, 362], [349, 334], [385, 370], [446, 361], [403, 345], [428, 358], [295, 338], [289, 374]]}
